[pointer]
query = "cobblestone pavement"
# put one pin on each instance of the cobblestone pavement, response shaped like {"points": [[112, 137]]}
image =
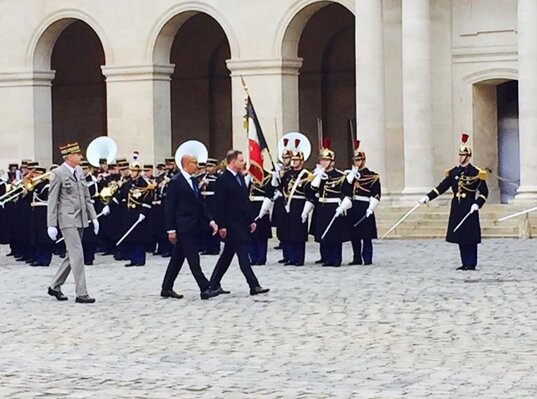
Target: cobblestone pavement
{"points": [[408, 326]]}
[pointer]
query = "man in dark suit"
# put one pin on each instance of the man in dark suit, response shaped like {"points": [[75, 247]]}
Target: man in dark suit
{"points": [[186, 216], [235, 222]]}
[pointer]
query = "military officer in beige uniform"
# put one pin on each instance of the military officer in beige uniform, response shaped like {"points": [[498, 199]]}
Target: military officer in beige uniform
{"points": [[70, 209]]}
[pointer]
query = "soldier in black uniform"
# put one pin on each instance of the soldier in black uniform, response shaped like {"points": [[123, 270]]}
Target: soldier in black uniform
{"points": [[470, 193], [294, 232], [330, 192], [158, 229], [171, 167], [107, 184], [89, 238], [260, 195], [365, 198], [139, 200], [210, 243], [40, 240], [8, 208], [118, 210], [278, 211], [25, 219]]}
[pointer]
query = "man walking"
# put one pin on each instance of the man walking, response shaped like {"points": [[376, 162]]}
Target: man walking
{"points": [[70, 209], [185, 214], [235, 223]]}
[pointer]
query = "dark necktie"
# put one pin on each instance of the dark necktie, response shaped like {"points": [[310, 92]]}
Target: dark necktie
{"points": [[237, 176], [194, 187], [74, 175]]}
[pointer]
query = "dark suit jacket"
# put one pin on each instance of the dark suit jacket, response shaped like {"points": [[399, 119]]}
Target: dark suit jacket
{"points": [[184, 212], [233, 208]]}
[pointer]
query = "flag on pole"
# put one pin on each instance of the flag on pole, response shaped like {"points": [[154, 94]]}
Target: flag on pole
{"points": [[256, 141]]}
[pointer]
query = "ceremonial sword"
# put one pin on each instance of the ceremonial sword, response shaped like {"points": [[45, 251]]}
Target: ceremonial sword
{"points": [[400, 220]]}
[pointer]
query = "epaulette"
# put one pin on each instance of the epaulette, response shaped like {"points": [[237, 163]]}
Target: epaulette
{"points": [[482, 174]]}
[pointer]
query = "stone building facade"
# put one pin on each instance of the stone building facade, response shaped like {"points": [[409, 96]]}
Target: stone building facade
{"points": [[410, 74]]}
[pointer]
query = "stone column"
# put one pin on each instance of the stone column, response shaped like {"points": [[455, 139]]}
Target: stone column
{"points": [[417, 124], [139, 111], [26, 132], [273, 88], [527, 97], [370, 108]]}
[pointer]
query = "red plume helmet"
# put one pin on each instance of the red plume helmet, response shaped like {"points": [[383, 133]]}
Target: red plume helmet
{"points": [[464, 138], [285, 142], [464, 148], [326, 143], [356, 145], [297, 143]]}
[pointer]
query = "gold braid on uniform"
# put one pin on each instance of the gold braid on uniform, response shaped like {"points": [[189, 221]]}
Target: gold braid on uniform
{"points": [[136, 196], [329, 185], [362, 182], [464, 182]]}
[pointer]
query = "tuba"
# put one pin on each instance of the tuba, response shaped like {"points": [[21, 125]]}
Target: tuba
{"points": [[193, 148], [101, 147]]}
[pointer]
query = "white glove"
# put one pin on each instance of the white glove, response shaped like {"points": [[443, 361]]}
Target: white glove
{"points": [[106, 210], [278, 168], [424, 200], [266, 206], [52, 233], [316, 182], [474, 208], [345, 205], [141, 217], [277, 195], [95, 226], [373, 203], [308, 207], [247, 180], [353, 174], [275, 182], [319, 170]]}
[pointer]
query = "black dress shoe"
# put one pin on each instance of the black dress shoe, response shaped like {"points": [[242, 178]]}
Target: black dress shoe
{"points": [[320, 261], [209, 293], [220, 290], [258, 290], [170, 294], [355, 262], [368, 263], [298, 264], [261, 263], [140, 264], [283, 260], [253, 263], [289, 263], [84, 299], [471, 268], [57, 294], [130, 264], [166, 255], [89, 263], [35, 264], [278, 247], [461, 268], [213, 253], [10, 254]]}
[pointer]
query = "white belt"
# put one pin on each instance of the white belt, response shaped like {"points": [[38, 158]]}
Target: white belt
{"points": [[207, 193], [256, 198], [361, 198], [39, 204], [299, 197], [329, 200], [146, 206]]}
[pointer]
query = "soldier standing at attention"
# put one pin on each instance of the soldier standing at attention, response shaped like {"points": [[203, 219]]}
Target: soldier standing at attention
{"points": [[70, 209], [470, 193], [365, 198]]}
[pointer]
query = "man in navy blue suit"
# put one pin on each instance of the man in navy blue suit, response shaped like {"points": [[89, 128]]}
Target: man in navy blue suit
{"points": [[235, 223]]}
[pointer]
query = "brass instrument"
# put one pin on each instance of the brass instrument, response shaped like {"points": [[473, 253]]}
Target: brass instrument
{"points": [[25, 185], [108, 192]]}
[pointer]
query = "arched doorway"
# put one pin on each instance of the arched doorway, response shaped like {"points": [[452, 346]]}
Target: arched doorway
{"points": [[496, 139], [327, 80], [78, 87], [201, 85]]}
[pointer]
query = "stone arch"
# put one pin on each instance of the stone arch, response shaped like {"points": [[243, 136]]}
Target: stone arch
{"points": [[294, 21], [491, 74], [164, 31], [41, 45]]}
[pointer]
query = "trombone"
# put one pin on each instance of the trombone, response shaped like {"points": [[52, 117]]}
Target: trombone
{"points": [[27, 184]]}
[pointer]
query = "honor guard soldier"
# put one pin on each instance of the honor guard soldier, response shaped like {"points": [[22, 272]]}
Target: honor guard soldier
{"points": [[40, 240], [278, 210], [470, 193], [118, 210], [171, 167], [365, 198], [158, 229], [210, 243], [90, 239], [25, 218], [261, 192], [139, 199], [330, 192], [293, 186], [8, 208]]}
